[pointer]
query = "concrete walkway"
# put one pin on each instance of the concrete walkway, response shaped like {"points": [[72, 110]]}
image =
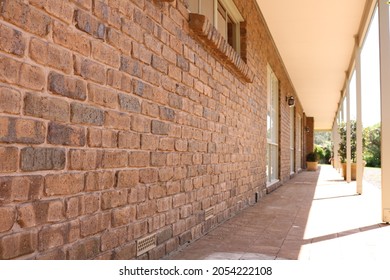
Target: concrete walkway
{"points": [[316, 215]]}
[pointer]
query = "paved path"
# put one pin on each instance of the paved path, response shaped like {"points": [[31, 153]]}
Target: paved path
{"points": [[316, 215]]}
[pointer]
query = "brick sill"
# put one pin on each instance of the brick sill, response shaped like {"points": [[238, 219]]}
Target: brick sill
{"points": [[210, 36]]}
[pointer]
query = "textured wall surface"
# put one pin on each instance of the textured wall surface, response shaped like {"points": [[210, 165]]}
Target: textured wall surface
{"points": [[117, 122]]}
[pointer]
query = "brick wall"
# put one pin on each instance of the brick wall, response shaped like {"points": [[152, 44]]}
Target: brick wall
{"points": [[117, 122]]}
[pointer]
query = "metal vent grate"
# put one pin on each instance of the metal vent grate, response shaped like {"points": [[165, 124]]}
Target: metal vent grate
{"points": [[209, 213], [145, 244]]}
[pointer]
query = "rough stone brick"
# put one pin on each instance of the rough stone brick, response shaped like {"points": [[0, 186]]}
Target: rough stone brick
{"points": [[67, 86], [85, 22], [9, 70], [149, 142], [158, 159], [59, 9], [139, 159], [159, 64], [138, 229], [31, 77], [114, 159], [10, 100], [119, 80], [20, 188], [84, 249], [164, 204], [94, 137], [181, 145], [133, 30], [142, 89], [18, 244], [90, 70], [95, 181], [105, 54], [127, 178], [164, 235], [85, 114], [7, 217], [131, 66], [165, 174], [150, 109], [107, 13], [51, 55], [13, 41], [8, 159], [64, 184], [167, 114], [146, 209], [53, 236], [46, 107], [91, 225], [185, 237], [84, 159], [166, 144], [126, 252], [41, 212], [137, 194], [151, 76], [160, 128], [117, 120], [59, 134], [129, 140], [129, 103], [33, 159], [86, 4], [102, 96], [55, 254], [68, 38], [148, 175], [14, 130], [109, 138], [113, 238], [91, 203], [26, 17], [123, 216], [140, 124], [112, 199]]}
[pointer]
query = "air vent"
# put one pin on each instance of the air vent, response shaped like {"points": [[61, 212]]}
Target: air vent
{"points": [[145, 244], [209, 213]]}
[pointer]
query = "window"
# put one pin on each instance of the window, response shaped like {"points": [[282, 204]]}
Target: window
{"points": [[223, 14], [272, 127], [292, 142]]}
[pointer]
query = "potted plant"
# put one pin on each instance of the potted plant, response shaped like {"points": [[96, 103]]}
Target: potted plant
{"points": [[311, 161], [342, 151]]}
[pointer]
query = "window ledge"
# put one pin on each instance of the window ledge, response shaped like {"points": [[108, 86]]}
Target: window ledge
{"points": [[210, 36]]}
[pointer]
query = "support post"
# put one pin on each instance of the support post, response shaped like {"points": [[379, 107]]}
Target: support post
{"points": [[359, 126], [348, 165], [384, 45]]}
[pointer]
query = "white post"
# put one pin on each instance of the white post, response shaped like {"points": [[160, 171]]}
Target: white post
{"points": [[384, 45], [348, 165], [359, 126]]}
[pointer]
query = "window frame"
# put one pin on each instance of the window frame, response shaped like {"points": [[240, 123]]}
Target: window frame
{"points": [[292, 140]]}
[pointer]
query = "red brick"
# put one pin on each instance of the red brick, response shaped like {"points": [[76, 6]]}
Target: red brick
{"points": [[84, 249], [181, 145], [164, 204], [159, 64], [166, 144], [14, 130], [33, 159], [59, 134], [84, 114], [146, 209], [140, 124], [127, 178], [113, 238], [10, 100], [156, 222], [114, 159], [67, 86], [70, 39], [133, 30], [139, 159], [91, 204], [158, 159], [119, 80], [148, 175], [46, 107], [107, 14], [126, 252], [20, 188], [85, 22], [137, 194], [64, 184], [55, 254], [149, 142], [112, 199], [90, 70], [172, 216], [86, 4], [60, 9], [48, 54], [160, 128], [129, 140], [105, 54], [150, 109], [8, 159], [165, 174], [95, 181], [131, 66], [18, 244], [31, 77], [26, 17], [109, 138], [13, 41], [117, 120], [151, 76], [84, 159], [167, 114], [144, 90], [156, 191], [53, 236], [102, 96], [9, 70], [41, 212], [94, 137], [123, 216], [93, 224], [7, 218]]}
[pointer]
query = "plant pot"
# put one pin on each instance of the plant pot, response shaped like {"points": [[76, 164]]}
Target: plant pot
{"points": [[311, 165], [353, 170]]}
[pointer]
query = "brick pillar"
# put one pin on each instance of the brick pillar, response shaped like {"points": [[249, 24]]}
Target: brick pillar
{"points": [[309, 131]]}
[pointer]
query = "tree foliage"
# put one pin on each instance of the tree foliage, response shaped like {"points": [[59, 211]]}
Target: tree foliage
{"points": [[372, 145]]}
